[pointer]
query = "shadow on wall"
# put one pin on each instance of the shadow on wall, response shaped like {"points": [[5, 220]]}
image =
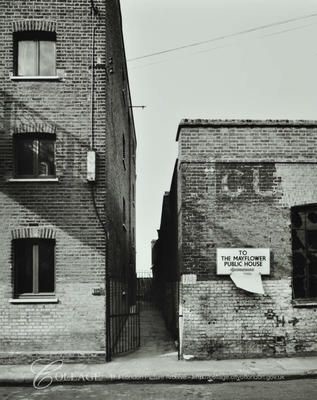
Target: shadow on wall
{"points": [[67, 204]]}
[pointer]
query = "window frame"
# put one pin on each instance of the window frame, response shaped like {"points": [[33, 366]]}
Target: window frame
{"points": [[36, 138], [37, 37], [35, 243], [306, 209]]}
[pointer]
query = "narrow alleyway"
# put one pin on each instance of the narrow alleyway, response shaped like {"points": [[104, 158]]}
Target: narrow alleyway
{"points": [[155, 338]]}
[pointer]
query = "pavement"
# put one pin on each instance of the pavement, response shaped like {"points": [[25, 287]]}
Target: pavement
{"points": [[162, 368], [156, 361]]}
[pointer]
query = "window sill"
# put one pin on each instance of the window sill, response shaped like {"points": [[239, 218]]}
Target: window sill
{"points": [[21, 180], [34, 300], [305, 303], [36, 78]]}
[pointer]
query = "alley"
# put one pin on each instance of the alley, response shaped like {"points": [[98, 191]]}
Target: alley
{"points": [[155, 340]]}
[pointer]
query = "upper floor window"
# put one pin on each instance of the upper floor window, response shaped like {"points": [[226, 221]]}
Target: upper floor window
{"points": [[133, 149], [35, 53], [123, 152], [123, 147], [304, 244], [34, 155], [124, 212], [34, 266]]}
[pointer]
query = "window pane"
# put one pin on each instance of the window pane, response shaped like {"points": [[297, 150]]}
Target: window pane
{"points": [[312, 275], [299, 264], [313, 286], [27, 58], [23, 264], [299, 288], [24, 156], [298, 240], [312, 239], [47, 58], [312, 258], [298, 219], [46, 266], [311, 220], [46, 158]]}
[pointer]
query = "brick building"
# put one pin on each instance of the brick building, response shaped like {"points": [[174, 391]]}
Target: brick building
{"points": [[242, 185], [67, 179]]}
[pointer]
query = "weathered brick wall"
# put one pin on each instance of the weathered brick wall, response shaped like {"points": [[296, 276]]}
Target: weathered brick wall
{"points": [[269, 140], [77, 322], [165, 259], [222, 321], [121, 176], [238, 181]]}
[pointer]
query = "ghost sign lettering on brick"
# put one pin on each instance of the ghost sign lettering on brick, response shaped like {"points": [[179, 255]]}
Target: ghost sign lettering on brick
{"points": [[243, 260]]}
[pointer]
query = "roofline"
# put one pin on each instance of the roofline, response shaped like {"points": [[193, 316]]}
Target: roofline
{"points": [[252, 123], [125, 66]]}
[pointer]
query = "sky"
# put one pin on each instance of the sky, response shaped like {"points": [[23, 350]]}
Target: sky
{"points": [[258, 60]]}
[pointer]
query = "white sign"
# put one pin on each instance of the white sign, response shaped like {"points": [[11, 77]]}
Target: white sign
{"points": [[243, 260]]}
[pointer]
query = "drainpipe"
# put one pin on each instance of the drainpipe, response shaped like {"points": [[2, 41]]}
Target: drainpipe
{"points": [[91, 177], [180, 319], [92, 87]]}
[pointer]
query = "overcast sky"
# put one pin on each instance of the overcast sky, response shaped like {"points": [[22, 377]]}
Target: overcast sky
{"points": [[260, 61]]}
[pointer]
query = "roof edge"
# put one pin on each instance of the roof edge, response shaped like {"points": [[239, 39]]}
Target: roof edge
{"points": [[201, 123]]}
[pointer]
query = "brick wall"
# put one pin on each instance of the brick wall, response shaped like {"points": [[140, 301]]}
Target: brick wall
{"points": [[121, 170], [237, 182], [222, 321], [77, 322]]}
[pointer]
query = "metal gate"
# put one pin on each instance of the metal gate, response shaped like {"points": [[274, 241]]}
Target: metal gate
{"points": [[146, 291], [124, 319]]}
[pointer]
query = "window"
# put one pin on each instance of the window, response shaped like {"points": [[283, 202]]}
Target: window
{"points": [[123, 152], [304, 244], [34, 155], [35, 53], [123, 147], [124, 213], [34, 266], [133, 150], [124, 97]]}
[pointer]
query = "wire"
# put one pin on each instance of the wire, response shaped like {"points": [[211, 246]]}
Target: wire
{"points": [[218, 38], [138, 66], [288, 30]]}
